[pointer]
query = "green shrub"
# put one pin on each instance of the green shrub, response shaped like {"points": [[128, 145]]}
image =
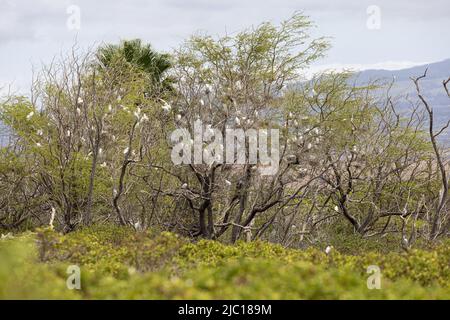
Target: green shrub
{"points": [[120, 263]]}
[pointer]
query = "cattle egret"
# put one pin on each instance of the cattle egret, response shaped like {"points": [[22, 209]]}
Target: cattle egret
{"points": [[328, 249], [167, 107], [78, 111], [38, 144], [30, 115], [137, 226], [208, 89], [309, 146], [52, 218], [144, 118], [80, 100], [303, 172], [68, 133], [178, 117], [202, 103], [109, 108], [405, 241], [103, 165], [336, 208], [184, 186], [228, 183], [125, 151], [39, 132]]}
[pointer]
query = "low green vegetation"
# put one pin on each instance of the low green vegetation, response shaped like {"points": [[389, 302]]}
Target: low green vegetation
{"points": [[117, 262]]}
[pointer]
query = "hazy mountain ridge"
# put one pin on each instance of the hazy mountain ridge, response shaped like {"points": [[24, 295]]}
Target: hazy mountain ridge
{"points": [[431, 86]]}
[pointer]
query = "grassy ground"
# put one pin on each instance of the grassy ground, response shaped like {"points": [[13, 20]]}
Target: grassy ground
{"points": [[119, 263]]}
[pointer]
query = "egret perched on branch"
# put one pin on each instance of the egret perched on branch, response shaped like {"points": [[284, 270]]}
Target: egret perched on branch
{"points": [[166, 107], [30, 115], [208, 89], [144, 118], [52, 218]]}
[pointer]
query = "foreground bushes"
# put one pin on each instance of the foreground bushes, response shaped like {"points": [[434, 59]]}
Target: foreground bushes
{"points": [[119, 263]]}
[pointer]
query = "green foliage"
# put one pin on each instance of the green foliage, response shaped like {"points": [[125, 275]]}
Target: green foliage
{"points": [[120, 263], [141, 56]]}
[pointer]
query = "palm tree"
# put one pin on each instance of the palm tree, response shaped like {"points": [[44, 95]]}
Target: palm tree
{"points": [[141, 56]]}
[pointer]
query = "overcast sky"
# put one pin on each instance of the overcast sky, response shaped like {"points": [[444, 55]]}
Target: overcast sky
{"points": [[410, 32]]}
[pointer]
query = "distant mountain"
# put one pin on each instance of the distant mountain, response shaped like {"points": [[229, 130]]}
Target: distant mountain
{"points": [[437, 70], [431, 86]]}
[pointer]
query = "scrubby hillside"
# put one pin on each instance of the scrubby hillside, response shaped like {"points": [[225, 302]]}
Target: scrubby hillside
{"points": [[117, 262]]}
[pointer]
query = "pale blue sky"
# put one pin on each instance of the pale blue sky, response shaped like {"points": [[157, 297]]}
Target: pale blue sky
{"points": [[33, 31]]}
